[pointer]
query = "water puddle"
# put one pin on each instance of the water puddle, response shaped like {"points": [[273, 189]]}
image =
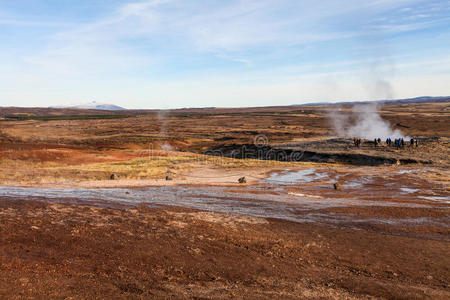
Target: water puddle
{"points": [[409, 190], [357, 183], [292, 177], [405, 171], [305, 195], [437, 198]]}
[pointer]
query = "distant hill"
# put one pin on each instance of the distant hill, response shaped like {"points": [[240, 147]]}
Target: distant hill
{"points": [[424, 99], [93, 105]]}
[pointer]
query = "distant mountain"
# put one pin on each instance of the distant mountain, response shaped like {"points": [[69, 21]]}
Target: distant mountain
{"points": [[93, 105], [424, 99]]}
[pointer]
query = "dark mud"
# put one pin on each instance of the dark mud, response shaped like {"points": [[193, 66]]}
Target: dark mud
{"points": [[296, 154]]}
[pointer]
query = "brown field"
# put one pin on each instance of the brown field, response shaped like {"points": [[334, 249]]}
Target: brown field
{"points": [[285, 233]]}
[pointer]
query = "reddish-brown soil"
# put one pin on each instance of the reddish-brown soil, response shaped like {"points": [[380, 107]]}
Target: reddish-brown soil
{"points": [[81, 250], [78, 252], [201, 129]]}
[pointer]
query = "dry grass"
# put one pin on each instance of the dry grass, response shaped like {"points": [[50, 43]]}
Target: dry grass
{"points": [[30, 172], [77, 150]]}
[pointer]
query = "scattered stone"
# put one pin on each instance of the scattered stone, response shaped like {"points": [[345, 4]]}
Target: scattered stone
{"points": [[242, 180], [113, 176], [24, 280], [337, 186]]}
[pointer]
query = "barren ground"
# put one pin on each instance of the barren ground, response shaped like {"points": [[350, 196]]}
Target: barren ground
{"points": [[286, 233]]}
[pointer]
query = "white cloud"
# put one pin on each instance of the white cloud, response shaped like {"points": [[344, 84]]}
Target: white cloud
{"points": [[232, 26], [119, 55]]}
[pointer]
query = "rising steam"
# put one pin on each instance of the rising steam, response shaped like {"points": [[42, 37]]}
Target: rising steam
{"points": [[163, 129], [363, 121]]}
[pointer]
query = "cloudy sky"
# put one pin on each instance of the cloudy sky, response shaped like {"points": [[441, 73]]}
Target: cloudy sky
{"points": [[197, 53]]}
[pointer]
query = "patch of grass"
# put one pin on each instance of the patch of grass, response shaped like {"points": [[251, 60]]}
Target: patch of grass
{"points": [[240, 114], [69, 117]]}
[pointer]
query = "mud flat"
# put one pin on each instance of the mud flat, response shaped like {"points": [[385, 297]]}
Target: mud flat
{"points": [[290, 235]]}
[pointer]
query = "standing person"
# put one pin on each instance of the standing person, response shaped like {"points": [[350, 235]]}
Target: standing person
{"points": [[417, 143]]}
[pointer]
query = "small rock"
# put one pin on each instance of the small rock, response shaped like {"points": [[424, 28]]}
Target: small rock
{"points": [[242, 180], [34, 227], [24, 280], [337, 186]]}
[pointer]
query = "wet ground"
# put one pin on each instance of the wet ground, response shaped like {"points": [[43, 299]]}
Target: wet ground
{"points": [[390, 200], [385, 234]]}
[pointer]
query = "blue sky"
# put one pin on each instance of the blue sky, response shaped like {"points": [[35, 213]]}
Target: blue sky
{"points": [[186, 53]]}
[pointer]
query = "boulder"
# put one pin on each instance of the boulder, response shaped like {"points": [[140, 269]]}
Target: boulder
{"points": [[242, 180], [337, 186]]}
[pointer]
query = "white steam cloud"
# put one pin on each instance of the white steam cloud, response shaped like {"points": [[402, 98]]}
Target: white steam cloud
{"points": [[163, 129], [363, 121], [161, 115]]}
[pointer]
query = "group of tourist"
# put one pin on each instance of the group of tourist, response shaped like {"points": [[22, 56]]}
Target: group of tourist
{"points": [[399, 143]]}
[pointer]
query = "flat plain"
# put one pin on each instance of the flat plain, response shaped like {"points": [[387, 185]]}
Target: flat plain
{"points": [[87, 210]]}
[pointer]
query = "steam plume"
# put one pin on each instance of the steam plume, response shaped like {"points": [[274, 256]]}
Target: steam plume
{"points": [[364, 121], [163, 129]]}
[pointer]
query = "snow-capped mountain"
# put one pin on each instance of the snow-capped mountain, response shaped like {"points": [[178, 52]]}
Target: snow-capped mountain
{"points": [[93, 105]]}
